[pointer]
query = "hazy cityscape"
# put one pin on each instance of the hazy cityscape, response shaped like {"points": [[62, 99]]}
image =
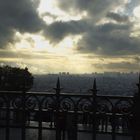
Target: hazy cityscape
{"points": [[108, 83]]}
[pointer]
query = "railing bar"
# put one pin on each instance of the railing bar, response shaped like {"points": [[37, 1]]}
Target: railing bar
{"points": [[23, 130], [40, 123], [75, 121], [113, 126], [7, 136], [106, 124], [64, 94]]}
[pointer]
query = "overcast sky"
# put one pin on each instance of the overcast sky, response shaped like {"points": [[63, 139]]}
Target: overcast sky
{"points": [[77, 36]]}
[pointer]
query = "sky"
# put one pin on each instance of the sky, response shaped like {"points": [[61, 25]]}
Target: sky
{"points": [[76, 36]]}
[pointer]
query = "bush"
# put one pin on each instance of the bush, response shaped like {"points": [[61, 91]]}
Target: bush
{"points": [[15, 79]]}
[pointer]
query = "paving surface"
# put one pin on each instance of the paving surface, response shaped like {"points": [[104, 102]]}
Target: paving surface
{"points": [[31, 134]]}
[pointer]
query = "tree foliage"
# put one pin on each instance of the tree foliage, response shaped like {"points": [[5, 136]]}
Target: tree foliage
{"points": [[15, 79]]}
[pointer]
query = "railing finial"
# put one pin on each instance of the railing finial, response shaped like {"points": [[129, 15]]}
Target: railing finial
{"points": [[58, 83], [94, 88], [139, 78], [139, 84], [94, 84], [58, 87]]}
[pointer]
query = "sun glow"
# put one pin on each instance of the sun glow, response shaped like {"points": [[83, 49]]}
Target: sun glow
{"points": [[32, 43], [36, 50], [46, 6], [136, 12], [50, 12]]}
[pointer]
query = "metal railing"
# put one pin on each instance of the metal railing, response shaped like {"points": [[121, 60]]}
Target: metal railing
{"points": [[67, 114]]}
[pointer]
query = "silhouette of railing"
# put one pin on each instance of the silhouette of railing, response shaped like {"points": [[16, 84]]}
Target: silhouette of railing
{"points": [[67, 114]]}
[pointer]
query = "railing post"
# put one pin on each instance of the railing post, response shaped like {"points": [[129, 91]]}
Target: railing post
{"points": [[94, 107], [7, 136], [75, 135], [136, 112], [23, 134], [113, 124], [58, 89], [40, 122]]}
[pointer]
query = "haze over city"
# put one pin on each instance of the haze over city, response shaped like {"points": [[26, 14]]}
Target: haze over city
{"points": [[78, 36]]}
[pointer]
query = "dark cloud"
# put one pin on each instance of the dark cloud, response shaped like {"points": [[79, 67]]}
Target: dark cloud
{"points": [[137, 59], [95, 8], [9, 63], [56, 31], [18, 15], [7, 53], [109, 39], [122, 66], [102, 39], [117, 17]]}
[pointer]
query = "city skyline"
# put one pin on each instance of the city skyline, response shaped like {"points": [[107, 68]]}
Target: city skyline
{"points": [[76, 36]]}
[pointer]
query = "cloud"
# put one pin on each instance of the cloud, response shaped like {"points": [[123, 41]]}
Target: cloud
{"points": [[117, 17], [24, 54], [100, 35], [58, 30], [49, 15], [96, 8], [104, 39], [104, 30], [110, 39], [130, 6], [137, 59], [119, 66], [18, 15]]}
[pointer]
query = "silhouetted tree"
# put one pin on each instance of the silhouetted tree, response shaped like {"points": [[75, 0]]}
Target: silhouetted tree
{"points": [[15, 79]]}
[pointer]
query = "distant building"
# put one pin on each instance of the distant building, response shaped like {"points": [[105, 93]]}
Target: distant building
{"points": [[63, 73]]}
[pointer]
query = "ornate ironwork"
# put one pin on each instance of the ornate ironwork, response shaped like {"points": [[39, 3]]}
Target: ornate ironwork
{"points": [[107, 114]]}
